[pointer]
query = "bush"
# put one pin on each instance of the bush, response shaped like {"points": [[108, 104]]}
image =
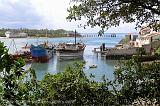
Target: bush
{"points": [[134, 81]]}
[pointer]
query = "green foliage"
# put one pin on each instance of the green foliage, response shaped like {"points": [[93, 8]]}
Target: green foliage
{"points": [[73, 86], [13, 84], [107, 13], [134, 81], [141, 51], [138, 81], [158, 51], [125, 40], [39, 33], [19, 87]]}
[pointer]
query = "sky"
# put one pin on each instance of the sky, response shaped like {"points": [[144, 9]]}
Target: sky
{"points": [[41, 14]]}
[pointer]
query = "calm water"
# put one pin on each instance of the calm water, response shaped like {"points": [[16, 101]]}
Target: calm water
{"points": [[104, 67]]}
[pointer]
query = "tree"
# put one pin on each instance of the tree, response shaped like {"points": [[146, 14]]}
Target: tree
{"points": [[138, 82], [158, 51], [17, 87], [141, 51], [107, 13], [72, 87], [134, 81]]}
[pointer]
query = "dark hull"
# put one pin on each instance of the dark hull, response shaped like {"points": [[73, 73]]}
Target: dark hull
{"points": [[41, 54], [40, 59], [70, 54], [69, 51]]}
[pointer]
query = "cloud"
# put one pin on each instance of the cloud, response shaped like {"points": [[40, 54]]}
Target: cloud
{"points": [[44, 14], [16, 14]]}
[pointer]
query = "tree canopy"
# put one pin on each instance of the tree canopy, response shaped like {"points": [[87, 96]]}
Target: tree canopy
{"points": [[135, 83], [107, 13]]}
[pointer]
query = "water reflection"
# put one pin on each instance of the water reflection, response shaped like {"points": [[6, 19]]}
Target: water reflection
{"points": [[40, 68], [104, 67], [63, 64]]}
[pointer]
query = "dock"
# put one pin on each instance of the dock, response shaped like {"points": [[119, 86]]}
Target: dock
{"points": [[126, 53], [113, 53]]}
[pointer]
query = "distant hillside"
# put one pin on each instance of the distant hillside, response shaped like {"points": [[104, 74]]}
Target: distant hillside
{"points": [[41, 32]]}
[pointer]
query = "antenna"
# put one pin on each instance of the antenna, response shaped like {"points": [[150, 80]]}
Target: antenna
{"points": [[75, 37]]}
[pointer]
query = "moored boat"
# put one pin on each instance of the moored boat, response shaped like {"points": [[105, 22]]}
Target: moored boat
{"points": [[42, 52], [93, 66], [70, 50]]}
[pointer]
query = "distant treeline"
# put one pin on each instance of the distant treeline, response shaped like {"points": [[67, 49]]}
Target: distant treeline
{"points": [[41, 32]]}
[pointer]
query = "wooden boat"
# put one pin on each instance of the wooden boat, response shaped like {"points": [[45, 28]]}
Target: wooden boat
{"points": [[93, 66], [26, 55], [70, 50], [26, 46]]}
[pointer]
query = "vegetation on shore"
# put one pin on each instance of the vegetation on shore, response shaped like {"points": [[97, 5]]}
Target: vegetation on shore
{"points": [[134, 83], [40, 32], [125, 40]]}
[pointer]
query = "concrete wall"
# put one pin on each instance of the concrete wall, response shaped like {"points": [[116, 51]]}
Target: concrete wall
{"points": [[129, 51]]}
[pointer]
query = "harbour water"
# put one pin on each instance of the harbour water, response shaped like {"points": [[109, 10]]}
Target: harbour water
{"points": [[104, 66]]}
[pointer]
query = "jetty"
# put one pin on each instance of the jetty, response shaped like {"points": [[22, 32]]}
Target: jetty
{"points": [[126, 53], [96, 35]]}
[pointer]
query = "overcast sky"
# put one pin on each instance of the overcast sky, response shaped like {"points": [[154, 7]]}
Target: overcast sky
{"points": [[45, 14]]}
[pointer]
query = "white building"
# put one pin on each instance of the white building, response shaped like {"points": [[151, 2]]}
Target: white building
{"points": [[146, 36], [15, 34]]}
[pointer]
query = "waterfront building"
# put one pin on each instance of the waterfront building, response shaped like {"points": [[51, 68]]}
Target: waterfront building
{"points": [[146, 36], [15, 34]]}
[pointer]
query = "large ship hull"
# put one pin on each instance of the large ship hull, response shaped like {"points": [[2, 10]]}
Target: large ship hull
{"points": [[41, 54], [72, 54]]}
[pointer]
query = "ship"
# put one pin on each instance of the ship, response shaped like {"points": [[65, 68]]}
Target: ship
{"points": [[42, 52], [70, 50]]}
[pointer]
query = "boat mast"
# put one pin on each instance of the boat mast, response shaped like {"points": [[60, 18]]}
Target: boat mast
{"points": [[75, 37], [47, 35]]}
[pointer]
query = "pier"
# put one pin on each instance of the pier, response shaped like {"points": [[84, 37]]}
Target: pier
{"points": [[113, 53], [126, 53], [96, 35]]}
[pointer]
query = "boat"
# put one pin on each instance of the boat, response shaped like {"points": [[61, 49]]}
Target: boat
{"points": [[93, 66], [42, 52], [116, 67], [70, 50], [26, 46]]}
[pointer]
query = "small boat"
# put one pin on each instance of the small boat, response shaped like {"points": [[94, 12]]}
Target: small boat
{"points": [[26, 55], [93, 66], [26, 46], [116, 67], [42, 52]]}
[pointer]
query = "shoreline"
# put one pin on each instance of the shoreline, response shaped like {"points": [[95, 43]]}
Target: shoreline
{"points": [[36, 37]]}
